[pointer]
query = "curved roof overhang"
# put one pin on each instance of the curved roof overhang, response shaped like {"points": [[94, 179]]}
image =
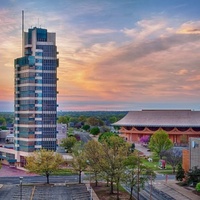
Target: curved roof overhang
{"points": [[161, 118]]}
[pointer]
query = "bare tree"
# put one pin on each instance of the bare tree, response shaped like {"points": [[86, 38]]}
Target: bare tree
{"points": [[173, 157]]}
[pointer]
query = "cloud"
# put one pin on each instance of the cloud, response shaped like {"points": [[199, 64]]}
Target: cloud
{"points": [[146, 70], [99, 31], [145, 29], [114, 65], [191, 27], [182, 72]]}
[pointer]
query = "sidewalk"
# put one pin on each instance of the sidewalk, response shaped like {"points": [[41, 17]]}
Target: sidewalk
{"points": [[7, 171], [176, 191], [93, 194]]}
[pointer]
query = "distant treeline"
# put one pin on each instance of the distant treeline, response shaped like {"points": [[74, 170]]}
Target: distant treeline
{"points": [[8, 117], [92, 118], [100, 114]]}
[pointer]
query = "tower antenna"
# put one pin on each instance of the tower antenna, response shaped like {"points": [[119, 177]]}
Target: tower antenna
{"points": [[22, 33]]}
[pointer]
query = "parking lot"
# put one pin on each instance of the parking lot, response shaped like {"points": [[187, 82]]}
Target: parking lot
{"points": [[45, 192], [39, 191]]}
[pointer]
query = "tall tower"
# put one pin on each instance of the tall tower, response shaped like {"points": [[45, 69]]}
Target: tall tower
{"points": [[36, 93]]}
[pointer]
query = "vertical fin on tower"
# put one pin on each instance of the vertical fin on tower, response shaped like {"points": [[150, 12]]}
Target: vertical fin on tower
{"points": [[22, 33]]}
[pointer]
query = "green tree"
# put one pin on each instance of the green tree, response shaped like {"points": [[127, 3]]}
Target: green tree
{"points": [[68, 143], [101, 122], [93, 121], [86, 127], [132, 148], [73, 119], [3, 128], [82, 118], [63, 119], [105, 129], [70, 132], [79, 162], [93, 154], [180, 174], [106, 136], [160, 142], [95, 130], [113, 119], [44, 162], [137, 174], [197, 187], [193, 176], [2, 121], [113, 154]]}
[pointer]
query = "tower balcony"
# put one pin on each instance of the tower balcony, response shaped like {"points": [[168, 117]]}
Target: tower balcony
{"points": [[28, 52]]}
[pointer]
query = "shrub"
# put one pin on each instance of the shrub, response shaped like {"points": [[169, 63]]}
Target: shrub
{"points": [[86, 127], [180, 174], [95, 130], [105, 136], [197, 187]]}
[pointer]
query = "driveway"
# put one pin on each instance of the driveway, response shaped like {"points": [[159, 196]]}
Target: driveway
{"points": [[142, 149]]}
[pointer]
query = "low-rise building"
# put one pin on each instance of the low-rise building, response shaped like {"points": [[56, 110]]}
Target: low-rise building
{"points": [[191, 155], [61, 132], [179, 124]]}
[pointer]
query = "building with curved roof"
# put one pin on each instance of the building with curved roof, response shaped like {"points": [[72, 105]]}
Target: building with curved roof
{"points": [[179, 124]]}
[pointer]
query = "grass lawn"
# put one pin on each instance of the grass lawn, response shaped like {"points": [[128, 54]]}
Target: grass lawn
{"points": [[154, 166], [63, 172]]}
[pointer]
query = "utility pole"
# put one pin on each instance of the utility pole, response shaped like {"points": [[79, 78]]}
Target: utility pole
{"points": [[138, 177], [20, 181], [151, 188]]}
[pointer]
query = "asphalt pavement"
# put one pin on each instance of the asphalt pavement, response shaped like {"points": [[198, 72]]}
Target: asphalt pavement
{"points": [[45, 192]]}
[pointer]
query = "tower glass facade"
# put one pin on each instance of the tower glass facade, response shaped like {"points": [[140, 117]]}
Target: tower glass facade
{"points": [[36, 93]]}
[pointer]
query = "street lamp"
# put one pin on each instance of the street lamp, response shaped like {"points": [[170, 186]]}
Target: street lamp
{"points": [[90, 188], [20, 181], [151, 188], [90, 185]]}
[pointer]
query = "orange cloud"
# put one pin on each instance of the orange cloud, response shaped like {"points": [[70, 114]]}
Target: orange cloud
{"points": [[191, 27]]}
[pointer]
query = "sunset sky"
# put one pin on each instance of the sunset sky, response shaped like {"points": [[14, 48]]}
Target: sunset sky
{"points": [[114, 54]]}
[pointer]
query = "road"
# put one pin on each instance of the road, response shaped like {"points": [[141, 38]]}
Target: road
{"points": [[84, 136], [39, 179], [59, 179], [161, 177]]}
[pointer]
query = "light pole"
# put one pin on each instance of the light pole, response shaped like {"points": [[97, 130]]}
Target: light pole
{"points": [[138, 176], [20, 181], [90, 188], [151, 188]]}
